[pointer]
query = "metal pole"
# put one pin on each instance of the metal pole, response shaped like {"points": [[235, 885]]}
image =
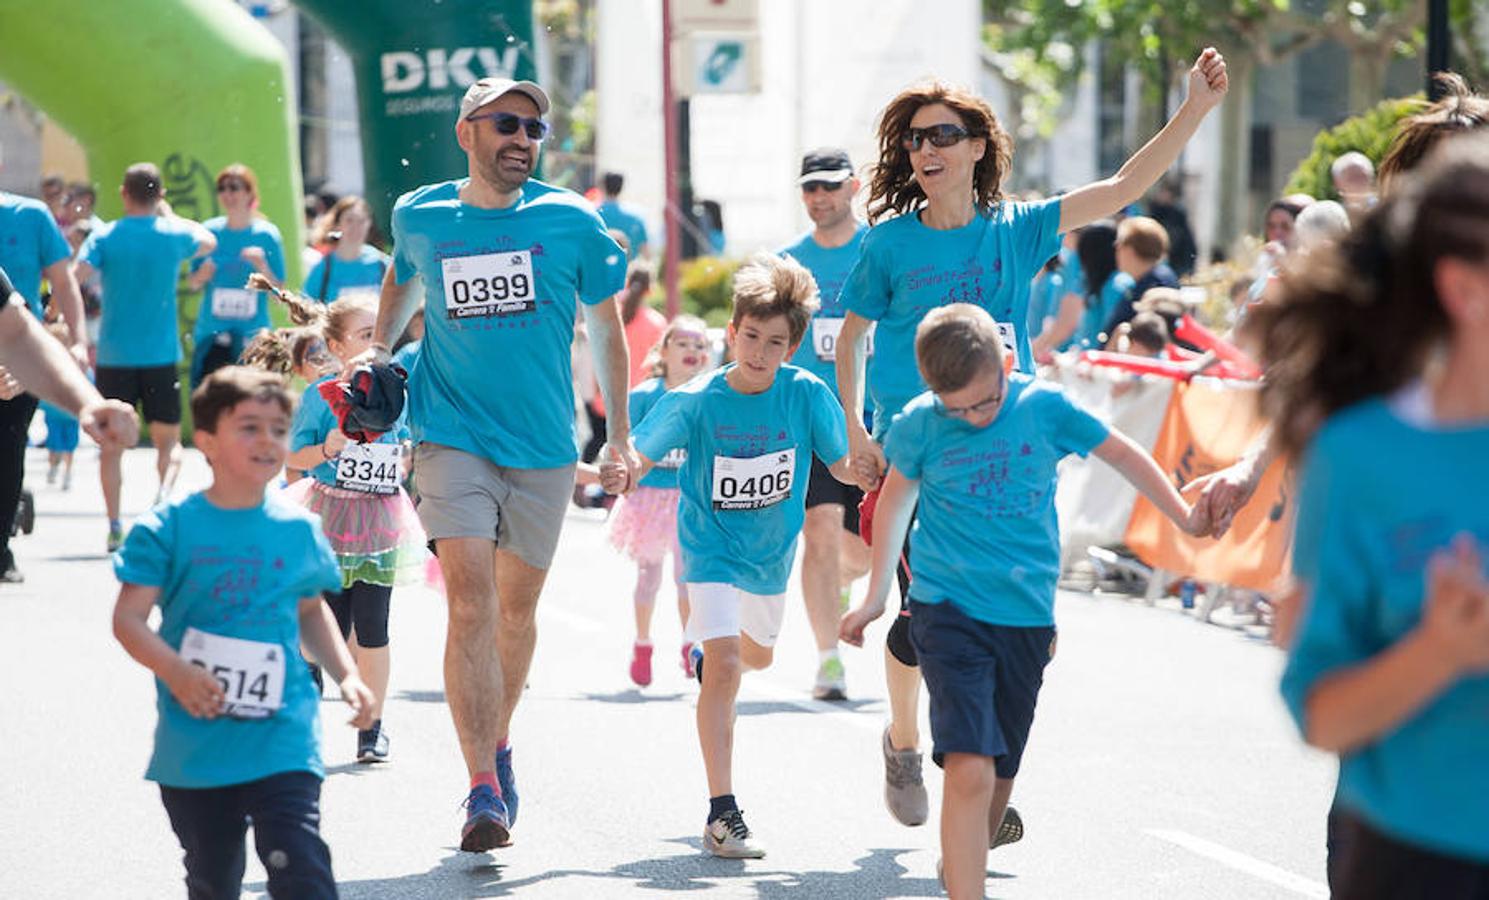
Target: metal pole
{"points": [[669, 139], [1439, 44]]}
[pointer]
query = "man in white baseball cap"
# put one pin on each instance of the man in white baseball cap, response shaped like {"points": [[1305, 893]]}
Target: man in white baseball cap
{"points": [[503, 259]]}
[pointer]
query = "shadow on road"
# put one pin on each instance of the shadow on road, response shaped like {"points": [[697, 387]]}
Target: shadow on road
{"points": [[764, 707], [879, 874], [632, 696]]}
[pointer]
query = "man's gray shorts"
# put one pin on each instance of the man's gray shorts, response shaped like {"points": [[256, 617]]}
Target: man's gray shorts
{"points": [[464, 495]]}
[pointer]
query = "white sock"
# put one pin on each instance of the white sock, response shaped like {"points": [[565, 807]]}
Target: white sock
{"points": [[824, 655]]}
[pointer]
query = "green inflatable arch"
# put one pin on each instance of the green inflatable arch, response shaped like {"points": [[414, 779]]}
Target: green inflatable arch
{"points": [[191, 85]]}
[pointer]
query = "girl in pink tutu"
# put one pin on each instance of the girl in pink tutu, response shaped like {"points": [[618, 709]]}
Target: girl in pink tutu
{"points": [[356, 488], [644, 524]]}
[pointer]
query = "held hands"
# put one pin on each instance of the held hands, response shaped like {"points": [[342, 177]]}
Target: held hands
{"points": [[867, 457], [111, 423], [1222, 494], [196, 689], [617, 471], [1208, 81], [356, 694], [1456, 618]]}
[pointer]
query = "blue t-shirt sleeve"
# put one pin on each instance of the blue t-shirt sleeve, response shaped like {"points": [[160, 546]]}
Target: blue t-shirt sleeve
{"points": [[92, 250], [903, 443], [185, 237], [1037, 232], [312, 287], [322, 572], [829, 426], [53, 244], [640, 401], [1329, 565], [1076, 430], [665, 427], [867, 291], [602, 266], [145, 557], [306, 428]]}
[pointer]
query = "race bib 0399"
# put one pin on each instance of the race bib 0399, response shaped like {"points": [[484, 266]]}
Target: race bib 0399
{"points": [[489, 284]]}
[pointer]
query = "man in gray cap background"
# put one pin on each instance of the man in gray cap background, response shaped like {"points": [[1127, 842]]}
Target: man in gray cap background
{"points": [[503, 259], [833, 555]]}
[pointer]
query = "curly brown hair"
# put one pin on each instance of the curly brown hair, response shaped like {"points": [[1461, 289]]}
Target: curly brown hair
{"points": [[1458, 111], [1361, 318], [893, 189]]}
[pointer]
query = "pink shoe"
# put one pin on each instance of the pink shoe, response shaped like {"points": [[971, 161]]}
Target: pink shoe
{"points": [[687, 659], [641, 664]]}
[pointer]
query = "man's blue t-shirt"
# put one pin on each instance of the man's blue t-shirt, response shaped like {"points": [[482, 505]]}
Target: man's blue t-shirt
{"points": [[364, 273], [234, 573], [408, 355], [228, 314], [644, 396], [139, 259], [494, 377], [744, 482], [830, 267], [314, 420], [986, 537], [1099, 309], [30, 240], [627, 223], [906, 269], [1378, 496]]}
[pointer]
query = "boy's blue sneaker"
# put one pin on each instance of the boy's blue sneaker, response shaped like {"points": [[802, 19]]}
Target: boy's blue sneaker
{"points": [[486, 821], [508, 783]]}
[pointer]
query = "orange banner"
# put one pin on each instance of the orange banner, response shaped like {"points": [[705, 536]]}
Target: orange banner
{"points": [[1209, 424]]}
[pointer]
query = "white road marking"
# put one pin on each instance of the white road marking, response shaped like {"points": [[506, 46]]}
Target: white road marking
{"points": [[1241, 862]]}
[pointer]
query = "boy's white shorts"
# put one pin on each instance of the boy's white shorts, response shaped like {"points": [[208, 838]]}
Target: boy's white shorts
{"points": [[718, 610]]}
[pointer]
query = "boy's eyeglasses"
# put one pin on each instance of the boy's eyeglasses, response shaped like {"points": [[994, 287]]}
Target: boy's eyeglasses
{"points": [[508, 123], [812, 187], [943, 135], [979, 408]]}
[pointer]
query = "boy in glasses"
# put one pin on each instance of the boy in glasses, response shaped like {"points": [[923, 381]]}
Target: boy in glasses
{"points": [[750, 430], [979, 451], [832, 555]]}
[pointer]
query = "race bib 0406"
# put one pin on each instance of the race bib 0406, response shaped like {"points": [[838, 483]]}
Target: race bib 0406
{"points": [[369, 468], [753, 482], [825, 333], [234, 303], [251, 673], [490, 284]]}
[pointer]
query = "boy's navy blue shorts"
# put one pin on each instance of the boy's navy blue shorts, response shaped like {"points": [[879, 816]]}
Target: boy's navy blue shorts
{"points": [[983, 680]]}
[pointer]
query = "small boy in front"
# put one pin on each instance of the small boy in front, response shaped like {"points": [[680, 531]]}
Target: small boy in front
{"points": [[238, 577], [979, 451], [750, 429]]}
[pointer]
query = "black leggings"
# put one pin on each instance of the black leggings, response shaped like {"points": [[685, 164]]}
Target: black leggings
{"points": [[15, 418], [366, 606]]}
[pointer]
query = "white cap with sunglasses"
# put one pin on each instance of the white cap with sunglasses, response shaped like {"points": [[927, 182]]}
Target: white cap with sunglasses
{"points": [[827, 164], [489, 89]]}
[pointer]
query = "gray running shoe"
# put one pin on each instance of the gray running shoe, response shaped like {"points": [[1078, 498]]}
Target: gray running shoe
{"points": [[1010, 831], [904, 789], [728, 836]]}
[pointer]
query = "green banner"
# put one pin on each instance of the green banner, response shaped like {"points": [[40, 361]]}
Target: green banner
{"points": [[413, 62], [190, 85]]}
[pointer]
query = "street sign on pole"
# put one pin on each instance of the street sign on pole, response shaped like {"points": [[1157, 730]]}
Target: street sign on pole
{"points": [[717, 63]]}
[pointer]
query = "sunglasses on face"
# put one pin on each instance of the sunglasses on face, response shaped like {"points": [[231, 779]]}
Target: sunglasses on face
{"points": [[232, 187], [944, 135], [508, 123], [812, 187]]}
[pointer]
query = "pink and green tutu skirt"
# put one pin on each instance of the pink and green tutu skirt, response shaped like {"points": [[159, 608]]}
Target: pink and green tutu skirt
{"points": [[377, 538]]}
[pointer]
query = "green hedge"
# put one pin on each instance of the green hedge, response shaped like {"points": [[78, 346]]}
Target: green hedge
{"points": [[1370, 133]]}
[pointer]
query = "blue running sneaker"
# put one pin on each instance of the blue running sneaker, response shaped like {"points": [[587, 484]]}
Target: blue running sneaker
{"points": [[486, 821], [508, 783]]}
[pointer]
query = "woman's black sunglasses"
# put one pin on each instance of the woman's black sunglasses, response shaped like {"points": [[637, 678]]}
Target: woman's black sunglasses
{"points": [[944, 135]]}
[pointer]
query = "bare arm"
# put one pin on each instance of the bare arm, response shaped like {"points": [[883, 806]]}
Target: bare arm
{"points": [[852, 347], [1207, 85], [203, 274], [892, 517], [1139, 468], [1225, 493], [193, 687], [1067, 320], [319, 634], [69, 302]]}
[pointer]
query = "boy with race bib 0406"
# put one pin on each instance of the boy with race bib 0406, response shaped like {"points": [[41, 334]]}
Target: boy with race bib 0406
{"points": [[749, 430], [238, 577]]}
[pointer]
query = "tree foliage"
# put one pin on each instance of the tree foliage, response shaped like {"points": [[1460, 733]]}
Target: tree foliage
{"points": [[1370, 133]]}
